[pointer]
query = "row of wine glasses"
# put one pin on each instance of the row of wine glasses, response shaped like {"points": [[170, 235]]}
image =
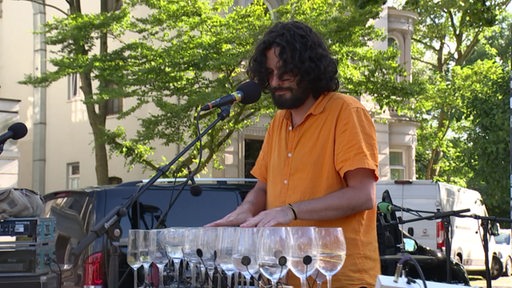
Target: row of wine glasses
{"points": [[201, 252]]}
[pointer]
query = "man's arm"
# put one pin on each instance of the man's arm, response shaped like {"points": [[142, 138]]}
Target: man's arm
{"points": [[254, 202], [358, 196]]}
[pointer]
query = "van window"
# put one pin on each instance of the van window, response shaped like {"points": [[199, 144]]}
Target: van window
{"points": [[503, 238], [70, 213], [184, 209]]}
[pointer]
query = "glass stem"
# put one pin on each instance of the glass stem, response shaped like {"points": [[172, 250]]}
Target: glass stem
{"points": [[135, 278], [228, 280], [192, 267], [176, 264], [160, 275], [146, 273], [329, 281], [303, 282]]}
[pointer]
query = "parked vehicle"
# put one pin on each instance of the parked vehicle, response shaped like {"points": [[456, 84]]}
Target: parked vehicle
{"points": [[78, 212], [504, 249], [395, 244], [421, 198]]}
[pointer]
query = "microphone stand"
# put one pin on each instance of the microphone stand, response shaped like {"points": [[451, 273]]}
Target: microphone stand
{"points": [[485, 227], [445, 216], [114, 216]]}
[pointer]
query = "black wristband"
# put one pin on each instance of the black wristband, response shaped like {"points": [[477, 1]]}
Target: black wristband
{"points": [[293, 210]]}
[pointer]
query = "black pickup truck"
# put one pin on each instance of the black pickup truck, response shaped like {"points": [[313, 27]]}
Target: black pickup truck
{"points": [[101, 262]]}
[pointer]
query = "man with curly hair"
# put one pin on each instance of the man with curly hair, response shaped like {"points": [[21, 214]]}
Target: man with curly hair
{"points": [[318, 164]]}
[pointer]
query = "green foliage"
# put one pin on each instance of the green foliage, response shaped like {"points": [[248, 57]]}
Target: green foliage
{"points": [[182, 54], [488, 152], [462, 110]]}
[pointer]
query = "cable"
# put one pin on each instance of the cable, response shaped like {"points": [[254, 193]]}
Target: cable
{"points": [[48, 261], [246, 261], [407, 257]]}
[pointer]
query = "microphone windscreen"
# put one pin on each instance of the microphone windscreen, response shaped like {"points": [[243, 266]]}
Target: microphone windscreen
{"points": [[384, 207], [196, 190], [251, 92], [19, 130]]}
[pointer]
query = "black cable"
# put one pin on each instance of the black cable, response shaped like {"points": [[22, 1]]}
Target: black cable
{"points": [[49, 260], [408, 257], [172, 200], [246, 261], [410, 281], [190, 177], [307, 260]]}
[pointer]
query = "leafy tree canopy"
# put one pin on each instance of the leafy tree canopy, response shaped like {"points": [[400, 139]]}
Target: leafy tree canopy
{"points": [[460, 55], [177, 55]]}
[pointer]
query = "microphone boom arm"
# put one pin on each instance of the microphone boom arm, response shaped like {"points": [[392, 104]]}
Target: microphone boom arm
{"points": [[120, 211]]}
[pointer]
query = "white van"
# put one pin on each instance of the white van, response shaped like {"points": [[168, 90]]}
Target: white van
{"points": [[466, 232]]}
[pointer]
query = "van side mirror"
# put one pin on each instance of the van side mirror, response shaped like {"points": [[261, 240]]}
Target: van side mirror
{"points": [[410, 245], [410, 231]]}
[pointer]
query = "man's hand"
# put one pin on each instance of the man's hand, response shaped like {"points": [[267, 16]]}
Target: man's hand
{"points": [[235, 218], [273, 217]]}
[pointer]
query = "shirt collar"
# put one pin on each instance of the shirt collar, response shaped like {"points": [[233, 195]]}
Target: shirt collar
{"points": [[316, 109]]}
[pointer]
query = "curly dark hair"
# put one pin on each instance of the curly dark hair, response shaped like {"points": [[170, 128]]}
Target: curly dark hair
{"points": [[302, 53]]}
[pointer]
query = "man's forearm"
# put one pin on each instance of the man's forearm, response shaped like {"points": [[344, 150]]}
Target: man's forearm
{"points": [[255, 201]]}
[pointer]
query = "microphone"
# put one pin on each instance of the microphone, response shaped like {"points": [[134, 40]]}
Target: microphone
{"points": [[247, 93], [387, 208], [15, 131], [196, 190]]}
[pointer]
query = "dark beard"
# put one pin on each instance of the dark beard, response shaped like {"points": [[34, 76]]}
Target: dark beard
{"points": [[296, 99]]}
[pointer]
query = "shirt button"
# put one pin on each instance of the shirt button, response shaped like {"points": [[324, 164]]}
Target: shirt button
{"points": [[289, 154], [285, 182]]}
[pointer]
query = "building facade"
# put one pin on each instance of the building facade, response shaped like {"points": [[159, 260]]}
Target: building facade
{"points": [[57, 152]]}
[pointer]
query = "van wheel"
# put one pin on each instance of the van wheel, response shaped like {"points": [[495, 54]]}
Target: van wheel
{"points": [[508, 267], [496, 268]]}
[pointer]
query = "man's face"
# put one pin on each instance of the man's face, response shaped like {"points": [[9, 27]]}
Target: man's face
{"points": [[283, 88]]}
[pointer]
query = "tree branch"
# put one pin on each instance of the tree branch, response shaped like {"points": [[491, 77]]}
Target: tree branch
{"points": [[47, 5]]}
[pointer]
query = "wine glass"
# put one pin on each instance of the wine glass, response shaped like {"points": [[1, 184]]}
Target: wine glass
{"points": [[174, 241], [132, 256], [300, 252], [271, 256], [192, 235], [143, 242], [319, 277], [157, 252], [331, 251], [245, 253], [207, 250], [226, 242]]}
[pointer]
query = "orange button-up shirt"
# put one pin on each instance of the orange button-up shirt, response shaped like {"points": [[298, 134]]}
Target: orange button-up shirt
{"points": [[309, 161]]}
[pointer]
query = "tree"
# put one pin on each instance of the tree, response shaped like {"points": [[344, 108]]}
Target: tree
{"points": [[459, 92], [488, 154], [186, 51], [229, 33], [77, 34]]}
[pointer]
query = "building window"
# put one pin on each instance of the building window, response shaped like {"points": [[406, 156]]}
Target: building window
{"points": [[396, 165], [72, 86], [252, 150], [73, 175], [114, 106]]}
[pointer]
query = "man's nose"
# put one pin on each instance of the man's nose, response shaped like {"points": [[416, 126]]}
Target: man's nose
{"points": [[274, 80]]}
